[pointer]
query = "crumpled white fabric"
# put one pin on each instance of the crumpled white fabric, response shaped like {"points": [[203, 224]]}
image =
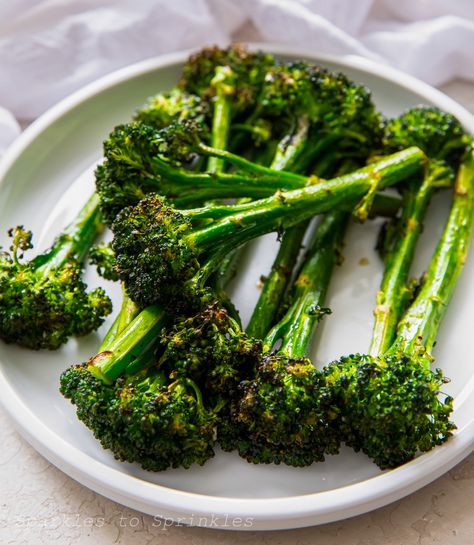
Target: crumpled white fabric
{"points": [[49, 48]]}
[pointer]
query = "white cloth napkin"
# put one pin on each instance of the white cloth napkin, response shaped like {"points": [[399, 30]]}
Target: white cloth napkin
{"points": [[49, 48]]}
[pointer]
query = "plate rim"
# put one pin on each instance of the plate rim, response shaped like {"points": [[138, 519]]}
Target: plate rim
{"points": [[266, 513]]}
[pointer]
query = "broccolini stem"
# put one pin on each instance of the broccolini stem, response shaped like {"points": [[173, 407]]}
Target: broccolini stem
{"points": [[317, 148], [111, 334], [224, 84], [290, 147], [296, 328], [261, 133], [285, 209], [133, 341], [75, 241], [419, 326], [274, 286], [202, 186], [222, 114], [327, 165], [254, 168], [146, 360], [186, 188], [128, 312], [394, 293]]}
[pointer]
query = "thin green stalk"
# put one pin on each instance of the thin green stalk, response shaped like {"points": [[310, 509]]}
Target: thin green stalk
{"points": [[394, 293], [76, 239], [290, 147], [419, 326], [127, 313], [224, 83], [145, 360], [132, 342], [186, 187], [269, 173], [316, 149], [221, 119], [217, 181], [285, 209], [275, 285], [297, 326]]}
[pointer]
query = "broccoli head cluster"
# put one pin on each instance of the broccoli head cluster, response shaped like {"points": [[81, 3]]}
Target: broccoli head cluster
{"points": [[153, 256], [281, 415], [43, 306], [144, 418], [210, 348], [390, 406]]}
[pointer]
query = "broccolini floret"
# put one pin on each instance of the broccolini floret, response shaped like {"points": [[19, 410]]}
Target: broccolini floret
{"points": [[103, 257], [133, 408], [211, 349], [44, 302], [242, 70], [144, 418], [163, 109], [324, 117], [285, 412]]}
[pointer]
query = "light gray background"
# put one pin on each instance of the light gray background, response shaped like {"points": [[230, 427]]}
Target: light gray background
{"points": [[40, 505]]}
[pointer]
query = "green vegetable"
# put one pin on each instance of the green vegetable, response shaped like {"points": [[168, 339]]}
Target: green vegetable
{"points": [[391, 405], [442, 138], [165, 255], [283, 414], [44, 302], [133, 408]]}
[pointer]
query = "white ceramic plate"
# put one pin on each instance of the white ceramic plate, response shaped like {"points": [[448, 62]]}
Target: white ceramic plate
{"points": [[47, 175]]}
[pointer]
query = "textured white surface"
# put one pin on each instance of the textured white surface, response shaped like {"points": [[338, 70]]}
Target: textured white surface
{"points": [[40, 505]]}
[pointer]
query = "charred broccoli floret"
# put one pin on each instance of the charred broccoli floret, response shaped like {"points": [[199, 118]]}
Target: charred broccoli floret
{"points": [[211, 349], [281, 415], [242, 71], [324, 117], [165, 255], [134, 409], [122, 170], [392, 405], [439, 134], [103, 257], [44, 302], [145, 418], [163, 109], [285, 413]]}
